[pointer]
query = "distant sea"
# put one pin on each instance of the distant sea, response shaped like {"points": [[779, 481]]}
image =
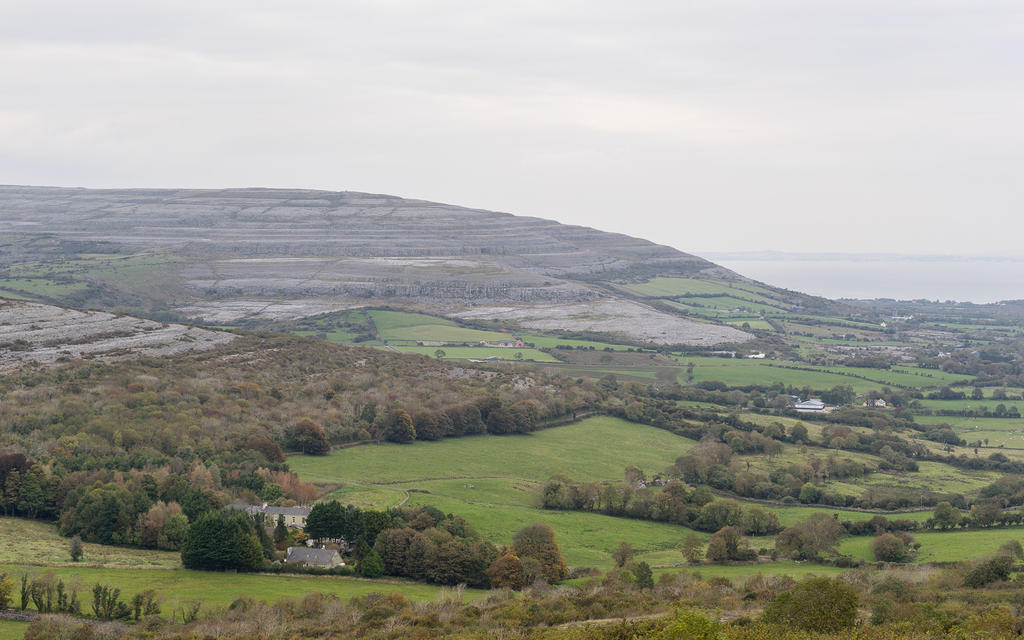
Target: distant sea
{"points": [[977, 279]]}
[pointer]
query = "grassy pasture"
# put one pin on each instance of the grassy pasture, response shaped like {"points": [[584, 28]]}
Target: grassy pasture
{"points": [[763, 325], [13, 629], [39, 287], [742, 371], [1008, 432], [504, 472], [968, 423], [175, 586], [988, 391], [737, 372], [413, 327], [936, 476], [586, 539], [37, 543], [960, 405], [594, 449], [730, 304], [635, 374], [550, 342], [673, 287], [943, 546], [462, 353]]}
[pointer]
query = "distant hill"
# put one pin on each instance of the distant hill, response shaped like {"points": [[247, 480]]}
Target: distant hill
{"points": [[276, 253]]}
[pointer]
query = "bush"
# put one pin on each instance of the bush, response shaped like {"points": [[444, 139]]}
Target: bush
{"points": [[989, 571], [889, 548], [821, 605]]}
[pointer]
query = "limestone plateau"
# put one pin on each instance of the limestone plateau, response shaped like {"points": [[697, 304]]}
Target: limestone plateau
{"points": [[274, 253]]}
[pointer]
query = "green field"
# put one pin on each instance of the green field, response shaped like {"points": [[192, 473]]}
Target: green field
{"points": [[491, 480], [673, 287], [731, 304], [38, 543], [1007, 432], [549, 342], [12, 629], [401, 326], [175, 586], [943, 546], [762, 325], [465, 353], [337, 336], [960, 405], [743, 371], [594, 449]]}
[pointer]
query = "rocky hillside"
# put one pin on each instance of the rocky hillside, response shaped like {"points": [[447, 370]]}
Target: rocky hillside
{"points": [[32, 332], [259, 251]]}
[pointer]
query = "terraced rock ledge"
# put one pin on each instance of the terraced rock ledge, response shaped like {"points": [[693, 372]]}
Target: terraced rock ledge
{"points": [[32, 332]]}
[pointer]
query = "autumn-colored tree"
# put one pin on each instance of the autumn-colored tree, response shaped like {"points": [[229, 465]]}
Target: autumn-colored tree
{"points": [[728, 543], [623, 554], [692, 549], [506, 572], [537, 541], [152, 522], [430, 425], [816, 535], [309, 437], [270, 449]]}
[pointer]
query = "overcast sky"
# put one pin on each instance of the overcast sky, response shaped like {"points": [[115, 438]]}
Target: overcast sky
{"points": [[718, 125]]}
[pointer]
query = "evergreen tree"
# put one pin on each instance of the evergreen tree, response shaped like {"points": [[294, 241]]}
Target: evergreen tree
{"points": [[371, 566], [644, 575], [280, 531], [221, 540], [399, 427]]}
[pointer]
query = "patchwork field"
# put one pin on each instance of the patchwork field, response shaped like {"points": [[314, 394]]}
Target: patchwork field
{"points": [[491, 481]]}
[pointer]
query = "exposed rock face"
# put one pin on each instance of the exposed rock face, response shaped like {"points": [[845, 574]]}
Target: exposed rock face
{"points": [[277, 251], [294, 243], [32, 332]]}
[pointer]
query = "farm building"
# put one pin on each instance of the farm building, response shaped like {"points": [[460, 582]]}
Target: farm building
{"points": [[810, 405], [325, 558], [294, 517]]}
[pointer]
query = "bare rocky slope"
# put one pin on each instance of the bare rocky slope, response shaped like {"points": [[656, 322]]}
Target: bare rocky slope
{"points": [[33, 332], [226, 254]]}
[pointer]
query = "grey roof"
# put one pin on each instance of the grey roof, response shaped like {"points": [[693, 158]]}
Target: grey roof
{"points": [[287, 511], [312, 557], [810, 404], [253, 509]]}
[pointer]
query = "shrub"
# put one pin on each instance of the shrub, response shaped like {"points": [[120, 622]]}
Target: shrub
{"points": [[822, 605], [889, 548], [988, 571]]}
